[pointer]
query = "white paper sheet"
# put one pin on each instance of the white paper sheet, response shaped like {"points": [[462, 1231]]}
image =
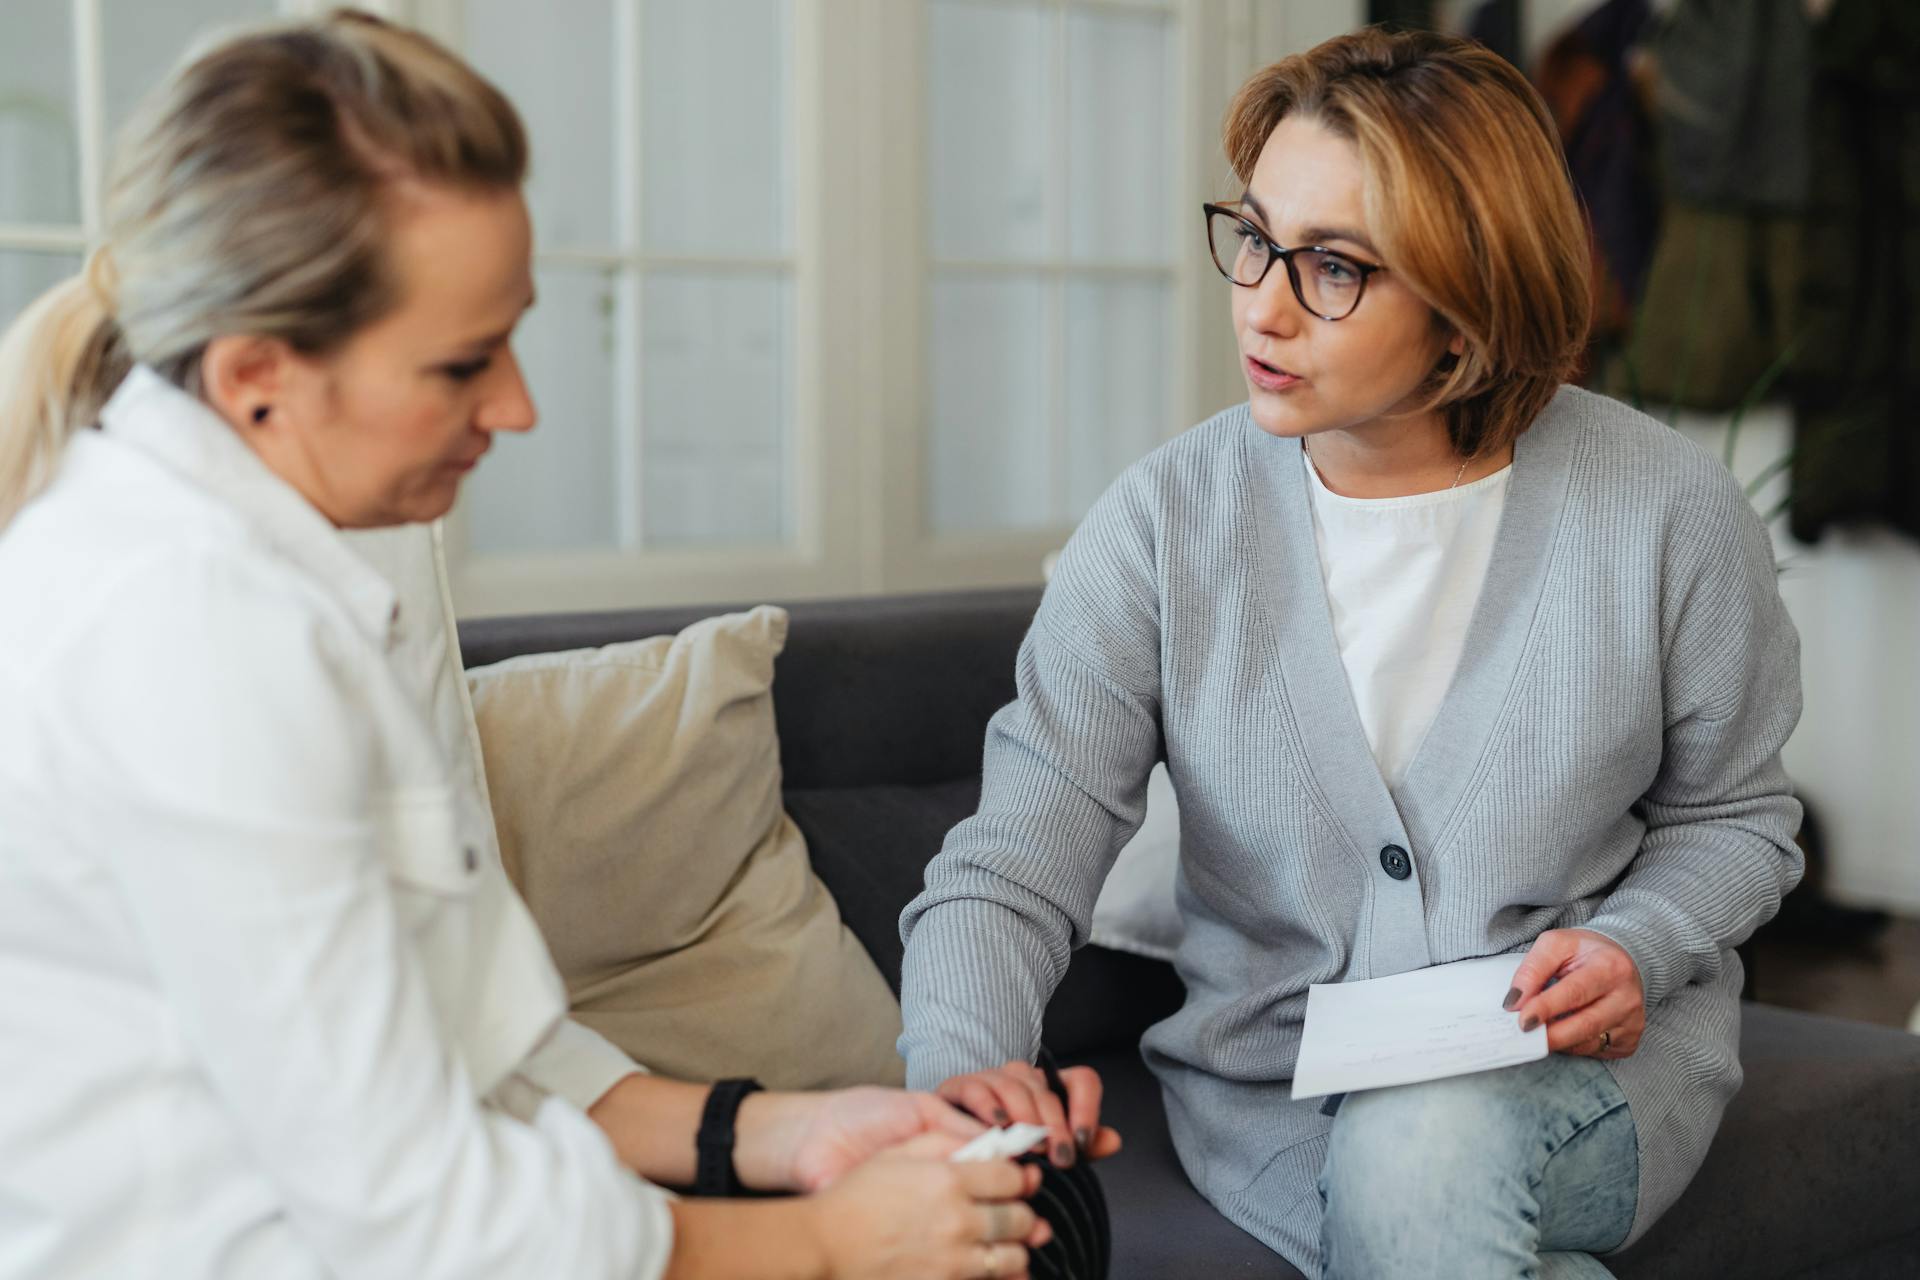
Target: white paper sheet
{"points": [[1424, 1025], [1001, 1144]]}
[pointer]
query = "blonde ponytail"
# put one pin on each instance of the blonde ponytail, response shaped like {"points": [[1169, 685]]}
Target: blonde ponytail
{"points": [[256, 200], [59, 361]]}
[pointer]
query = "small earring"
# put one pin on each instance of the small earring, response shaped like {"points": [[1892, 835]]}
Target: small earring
{"points": [[260, 414]]}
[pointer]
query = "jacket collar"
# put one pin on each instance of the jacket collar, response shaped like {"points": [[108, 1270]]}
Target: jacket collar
{"points": [[151, 415]]}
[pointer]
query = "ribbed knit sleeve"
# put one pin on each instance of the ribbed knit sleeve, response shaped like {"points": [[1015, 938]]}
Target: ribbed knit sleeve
{"points": [[1719, 847], [1063, 787]]}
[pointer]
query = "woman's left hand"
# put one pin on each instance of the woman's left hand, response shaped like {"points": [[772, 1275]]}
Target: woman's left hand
{"points": [[1596, 989], [822, 1136]]}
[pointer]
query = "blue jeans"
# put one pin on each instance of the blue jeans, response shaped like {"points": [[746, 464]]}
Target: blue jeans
{"points": [[1522, 1172]]}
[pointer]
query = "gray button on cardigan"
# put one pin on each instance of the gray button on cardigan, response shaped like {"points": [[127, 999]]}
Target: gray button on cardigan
{"points": [[1607, 756]]}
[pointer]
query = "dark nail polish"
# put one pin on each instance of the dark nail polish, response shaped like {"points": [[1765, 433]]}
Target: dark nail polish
{"points": [[1062, 1155], [1000, 1117], [1512, 1000], [1084, 1137], [1530, 1023]]}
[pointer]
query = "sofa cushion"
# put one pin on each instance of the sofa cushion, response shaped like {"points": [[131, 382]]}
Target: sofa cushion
{"points": [[636, 791], [870, 846], [1136, 910], [1813, 1163]]}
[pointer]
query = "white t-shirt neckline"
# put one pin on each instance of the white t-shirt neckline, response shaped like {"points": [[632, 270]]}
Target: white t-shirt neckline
{"points": [[1411, 501], [1403, 577]]}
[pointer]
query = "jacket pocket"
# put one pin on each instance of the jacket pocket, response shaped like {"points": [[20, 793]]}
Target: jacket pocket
{"points": [[431, 866]]}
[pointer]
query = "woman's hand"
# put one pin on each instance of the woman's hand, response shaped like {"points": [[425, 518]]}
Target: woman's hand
{"points": [[811, 1140], [1018, 1094], [1595, 989], [783, 1141], [911, 1212]]}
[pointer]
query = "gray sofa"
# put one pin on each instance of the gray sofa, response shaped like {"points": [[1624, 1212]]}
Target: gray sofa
{"points": [[882, 707]]}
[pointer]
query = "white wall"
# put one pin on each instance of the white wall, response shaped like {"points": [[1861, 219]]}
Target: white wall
{"points": [[1855, 598]]}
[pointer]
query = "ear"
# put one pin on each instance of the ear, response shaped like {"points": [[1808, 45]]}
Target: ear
{"points": [[1457, 344], [242, 376]]}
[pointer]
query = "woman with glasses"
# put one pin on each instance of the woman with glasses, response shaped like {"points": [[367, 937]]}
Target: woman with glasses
{"points": [[1446, 660]]}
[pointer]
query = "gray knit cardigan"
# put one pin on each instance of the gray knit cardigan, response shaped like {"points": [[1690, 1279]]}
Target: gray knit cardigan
{"points": [[1607, 756]]}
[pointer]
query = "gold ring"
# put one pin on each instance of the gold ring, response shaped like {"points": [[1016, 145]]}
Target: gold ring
{"points": [[989, 1264], [1606, 1040]]}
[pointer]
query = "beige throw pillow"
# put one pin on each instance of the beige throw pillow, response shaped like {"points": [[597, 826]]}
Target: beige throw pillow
{"points": [[636, 790]]}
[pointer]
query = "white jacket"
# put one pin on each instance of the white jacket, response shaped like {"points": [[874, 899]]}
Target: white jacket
{"points": [[268, 1005]]}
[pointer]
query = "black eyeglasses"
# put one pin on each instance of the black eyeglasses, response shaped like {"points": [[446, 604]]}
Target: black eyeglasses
{"points": [[1327, 283]]}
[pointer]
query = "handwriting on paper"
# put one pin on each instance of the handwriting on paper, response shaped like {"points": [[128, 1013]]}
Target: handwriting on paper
{"points": [[1423, 1025]]}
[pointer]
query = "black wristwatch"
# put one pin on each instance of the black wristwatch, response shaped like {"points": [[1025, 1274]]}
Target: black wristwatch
{"points": [[714, 1174]]}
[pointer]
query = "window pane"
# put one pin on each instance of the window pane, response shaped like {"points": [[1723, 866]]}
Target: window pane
{"points": [[716, 433], [714, 119], [988, 108], [988, 460], [560, 76], [141, 41], [1120, 167], [553, 488], [1118, 372], [25, 276], [39, 136]]}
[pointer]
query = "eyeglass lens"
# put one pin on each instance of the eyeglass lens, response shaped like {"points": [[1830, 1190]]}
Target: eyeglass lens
{"points": [[1326, 283]]}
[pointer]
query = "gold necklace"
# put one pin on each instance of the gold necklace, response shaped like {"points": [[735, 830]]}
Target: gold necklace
{"points": [[1323, 480]]}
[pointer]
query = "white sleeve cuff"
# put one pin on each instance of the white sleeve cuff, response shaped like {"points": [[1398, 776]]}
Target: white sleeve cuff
{"points": [[578, 1064]]}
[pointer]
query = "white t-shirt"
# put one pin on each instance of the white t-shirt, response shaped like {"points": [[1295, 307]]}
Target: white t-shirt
{"points": [[1403, 576]]}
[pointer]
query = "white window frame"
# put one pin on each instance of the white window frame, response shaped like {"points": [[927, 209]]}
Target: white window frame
{"points": [[1219, 44], [90, 110], [860, 513], [921, 556], [813, 560]]}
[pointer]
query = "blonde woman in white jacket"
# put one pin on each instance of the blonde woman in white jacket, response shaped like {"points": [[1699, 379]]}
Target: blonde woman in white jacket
{"points": [[267, 1013]]}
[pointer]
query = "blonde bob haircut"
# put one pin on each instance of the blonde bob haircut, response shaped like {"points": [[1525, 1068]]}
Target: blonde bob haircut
{"points": [[1465, 193]]}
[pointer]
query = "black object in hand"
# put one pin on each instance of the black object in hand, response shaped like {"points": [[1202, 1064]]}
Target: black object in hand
{"points": [[1072, 1202]]}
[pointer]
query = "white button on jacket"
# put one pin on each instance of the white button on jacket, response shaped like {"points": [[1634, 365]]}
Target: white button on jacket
{"points": [[268, 1005]]}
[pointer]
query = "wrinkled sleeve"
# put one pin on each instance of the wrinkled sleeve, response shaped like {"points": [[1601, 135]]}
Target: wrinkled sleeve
{"points": [[577, 1063]]}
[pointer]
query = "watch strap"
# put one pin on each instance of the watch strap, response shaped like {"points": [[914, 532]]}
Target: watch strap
{"points": [[714, 1173]]}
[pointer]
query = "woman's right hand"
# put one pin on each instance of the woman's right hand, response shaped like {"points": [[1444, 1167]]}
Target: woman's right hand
{"points": [[1018, 1094], [910, 1211]]}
